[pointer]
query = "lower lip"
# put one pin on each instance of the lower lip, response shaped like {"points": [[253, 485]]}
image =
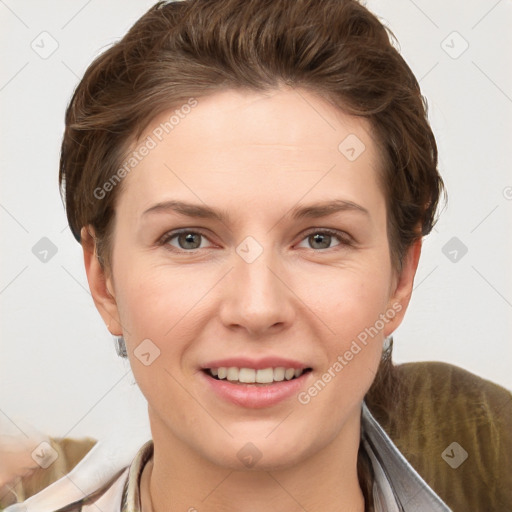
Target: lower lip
{"points": [[256, 397]]}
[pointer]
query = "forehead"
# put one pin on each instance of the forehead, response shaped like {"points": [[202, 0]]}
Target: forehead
{"points": [[277, 143]]}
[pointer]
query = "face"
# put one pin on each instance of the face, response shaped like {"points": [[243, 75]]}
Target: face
{"points": [[253, 235]]}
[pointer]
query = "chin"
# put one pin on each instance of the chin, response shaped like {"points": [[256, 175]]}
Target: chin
{"points": [[261, 453], [268, 462]]}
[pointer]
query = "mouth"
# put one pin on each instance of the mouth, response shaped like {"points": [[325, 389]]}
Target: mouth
{"points": [[263, 377], [255, 384]]}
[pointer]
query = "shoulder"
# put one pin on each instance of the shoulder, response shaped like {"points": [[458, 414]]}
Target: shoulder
{"points": [[51, 459], [108, 498], [105, 478], [455, 429]]}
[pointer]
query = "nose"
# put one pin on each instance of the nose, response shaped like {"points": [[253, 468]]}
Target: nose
{"points": [[256, 296]]}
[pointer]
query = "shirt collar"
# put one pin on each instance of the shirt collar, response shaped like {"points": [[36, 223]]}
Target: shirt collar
{"points": [[131, 495], [397, 485]]}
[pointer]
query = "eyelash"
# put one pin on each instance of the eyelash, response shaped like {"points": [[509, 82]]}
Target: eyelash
{"points": [[343, 238]]}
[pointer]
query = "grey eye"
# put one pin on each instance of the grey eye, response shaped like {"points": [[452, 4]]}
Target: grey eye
{"points": [[189, 240], [320, 240]]}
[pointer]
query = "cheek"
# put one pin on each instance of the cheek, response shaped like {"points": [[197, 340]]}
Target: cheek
{"points": [[153, 301], [353, 306], [351, 300], [155, 308]]}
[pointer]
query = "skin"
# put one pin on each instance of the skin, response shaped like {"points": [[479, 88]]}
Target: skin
{"points": [[255, 156]]}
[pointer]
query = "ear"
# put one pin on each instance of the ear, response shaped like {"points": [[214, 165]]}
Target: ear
{"points": [[100, 284], [402, 288]]}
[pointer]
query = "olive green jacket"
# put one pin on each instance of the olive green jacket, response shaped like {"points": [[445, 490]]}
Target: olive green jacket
{"points": [[453, 427]]}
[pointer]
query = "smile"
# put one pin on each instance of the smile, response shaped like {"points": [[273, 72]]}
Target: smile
{"points": [[255, 388], [255, 376]]}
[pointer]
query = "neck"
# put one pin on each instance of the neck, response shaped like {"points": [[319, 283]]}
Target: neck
{"points": [[179, 479]]}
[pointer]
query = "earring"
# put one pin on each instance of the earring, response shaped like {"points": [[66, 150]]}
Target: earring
{"points": [[120, 346]]}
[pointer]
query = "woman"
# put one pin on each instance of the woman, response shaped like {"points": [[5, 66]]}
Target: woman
{"points": [[250, 183]]}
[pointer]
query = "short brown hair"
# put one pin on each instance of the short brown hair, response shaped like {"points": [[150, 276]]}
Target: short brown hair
{"points": [[192, 48]]}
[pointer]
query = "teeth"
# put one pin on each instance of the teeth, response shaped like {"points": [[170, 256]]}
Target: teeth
{"points": [[232, 373], [246, 375], [265, 376], [289, 373], [279, 373], [250, 375]]}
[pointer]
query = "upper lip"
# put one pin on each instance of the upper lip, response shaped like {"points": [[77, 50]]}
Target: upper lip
{"points": [[257, 364]]}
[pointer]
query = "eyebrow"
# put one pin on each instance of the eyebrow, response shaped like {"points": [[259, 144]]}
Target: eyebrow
{"points": [[312, 211]]}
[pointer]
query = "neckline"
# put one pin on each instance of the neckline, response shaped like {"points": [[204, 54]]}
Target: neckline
{"points": [[397, 477]]}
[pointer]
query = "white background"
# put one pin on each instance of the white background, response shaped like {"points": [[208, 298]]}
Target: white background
{"points": [[58, 369]]}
